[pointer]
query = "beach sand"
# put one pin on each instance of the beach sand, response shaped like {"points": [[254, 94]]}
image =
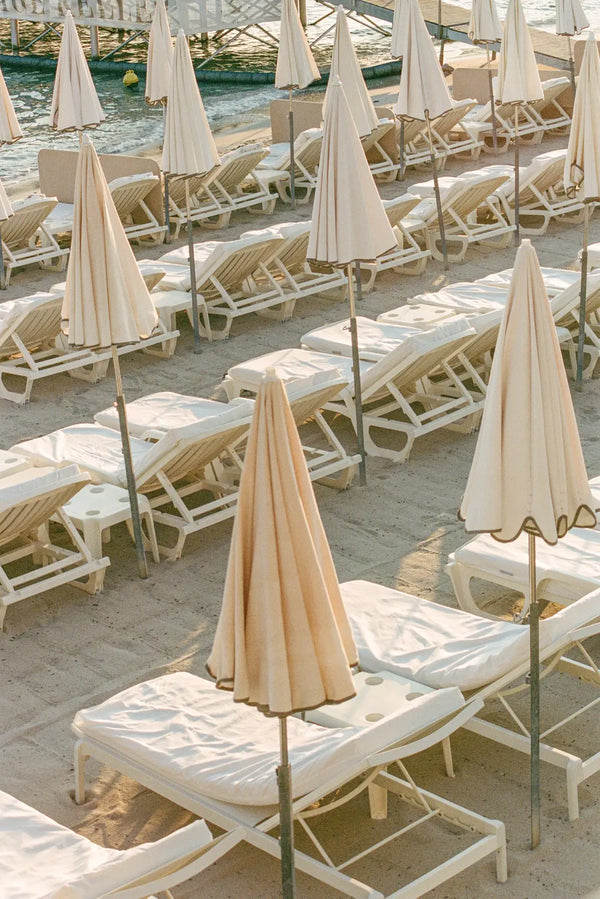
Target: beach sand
{"points": [[65, 650]]}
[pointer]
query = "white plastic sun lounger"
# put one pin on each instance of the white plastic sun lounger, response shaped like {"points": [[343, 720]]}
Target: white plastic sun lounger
{"points": [[218, 758], [411, 252], [489, 660], [129, 196], [157, 414], [298, 277], [30, 562], [41, 858], [548, 111], [381, 163], [176, 472], [450, 137], [26, 239], [478, 122], [401, 401], [275, 167]]}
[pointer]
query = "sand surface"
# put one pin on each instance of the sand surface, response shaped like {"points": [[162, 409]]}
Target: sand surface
{"points": [[65, 650]]}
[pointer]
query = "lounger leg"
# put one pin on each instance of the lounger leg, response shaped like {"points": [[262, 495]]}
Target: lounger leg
{"points": [[448, 760], [79, 761], [2, 615], [378, 802], [461, 576]]}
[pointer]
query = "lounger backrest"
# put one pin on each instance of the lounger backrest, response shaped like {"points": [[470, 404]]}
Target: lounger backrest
{"points": [[28, 216], [471, 194], [564, 303], [127, 193], [383, 127], [195, 185], [236, 166], [399, 207], [552, 88], [450, 119], [28, 499], [291, 252], [233, 261], [413, 129], [36, 319], [486, 327], [310, 394]]}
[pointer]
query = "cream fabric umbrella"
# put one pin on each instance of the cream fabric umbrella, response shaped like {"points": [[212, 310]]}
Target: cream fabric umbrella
{"points": [[349, 222], [296, 67], [518, 77], [485, 28], [10, 130], [398, 35], [528, 472], [106, 300], [582, 164], [345, 65], [423, 91], [160, 57], [75, 105], [283, 642], [570, 20], [189, 148], [6, 212]]}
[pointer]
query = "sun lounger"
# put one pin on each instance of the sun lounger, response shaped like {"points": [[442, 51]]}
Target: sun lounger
{"points": [[231, 186], [441, 647], [548, 111], [26, 239], [479, 124], [30, 562], [218, 758], [400, 398], [275, 168], [329, 463], [411, 253], [450, 137], [129, 195], [469, 215], [381, 163], [176, 472], [42, 858]]}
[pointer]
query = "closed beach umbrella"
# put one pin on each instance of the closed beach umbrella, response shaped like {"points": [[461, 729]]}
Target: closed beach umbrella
{"points": [[570, 20], [160, 57], [75, 105], [5, 213], [296, 67], [106, 302], [485, 28], [397, 46], [283, 642], [518, 77], [189, 148], [528, 473], [349, 222], [582, 164], [423, 91], [10, 130], [344, 63]]}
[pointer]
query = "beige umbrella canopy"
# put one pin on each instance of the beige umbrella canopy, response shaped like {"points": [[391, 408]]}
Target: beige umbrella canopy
{"points": [[283, 642], [75, 105], [423, 88], [296, 66], [484, 25], [345, 65], [10, 130], [160, 57], [518, 76], [106, 300], [570, 17], [397, 47], [528, 472]]}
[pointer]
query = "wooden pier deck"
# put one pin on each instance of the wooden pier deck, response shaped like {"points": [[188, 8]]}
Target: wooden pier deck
{"points": [[550, 49]]}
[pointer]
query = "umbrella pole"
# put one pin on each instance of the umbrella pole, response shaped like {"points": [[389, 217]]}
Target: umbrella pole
{"points": [[436, 188], [292, 162], [2, 271], [286, 818], [131, 489], [441, 32], [192, 258], [582, 295], [534, 661], [166, 177], [517, 234], [360, 434], [492, 103], [402, 152], [572, 66]]}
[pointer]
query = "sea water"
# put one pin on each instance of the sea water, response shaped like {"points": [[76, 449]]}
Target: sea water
{"points": [[131, 125]]}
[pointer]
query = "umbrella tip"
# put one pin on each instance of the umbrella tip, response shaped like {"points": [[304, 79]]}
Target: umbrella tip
{"points": [[271, 374], [336, 81]]}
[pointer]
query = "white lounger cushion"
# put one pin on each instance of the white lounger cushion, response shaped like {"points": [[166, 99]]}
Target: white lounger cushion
{"points": [[375, 339], [182, 727], [12, 312], [278, 156], [555, 279], [166, 410], [41, 859], [467, 296], [26, 484], [443, 647]]}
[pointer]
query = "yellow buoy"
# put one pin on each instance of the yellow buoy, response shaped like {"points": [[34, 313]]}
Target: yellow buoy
{"points": [[130, 79]]}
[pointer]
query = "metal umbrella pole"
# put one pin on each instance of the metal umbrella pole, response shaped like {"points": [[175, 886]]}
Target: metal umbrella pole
{"points": [[193, 288], [286, 818], [534, 686], [131, 489], [402, 172], [583, 295], [492, 101], [2, 271], [166, 177], [441, 31], [436, 188], [572, 66], [292, 162], [517, 232], [360, 436]]}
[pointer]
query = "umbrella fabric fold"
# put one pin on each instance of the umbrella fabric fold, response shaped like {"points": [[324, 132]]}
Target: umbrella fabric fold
{"points": [[349, 222], [423, 88], [106, 300], [5, 205], [528, 472], [518, 76], [296, 66], [397, 45], [570, 17], [582, 163], [345, 65], [10, 130], [283, 642], [189, 148], [160, 57], [75, 105], [484, 25]]}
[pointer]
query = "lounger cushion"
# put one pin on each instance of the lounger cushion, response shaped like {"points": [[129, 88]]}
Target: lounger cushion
{"points": [[12, 312], [130, 180], [374, 338], [183, 728], [443, 647], [167, 410]]}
